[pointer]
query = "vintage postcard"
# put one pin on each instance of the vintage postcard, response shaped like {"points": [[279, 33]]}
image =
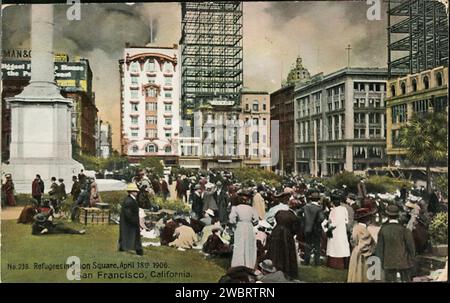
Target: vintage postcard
{"points": [[224, 141]]}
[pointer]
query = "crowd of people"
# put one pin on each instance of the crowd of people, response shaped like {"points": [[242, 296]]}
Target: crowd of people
{"points": [[257, 226], [266, 233]]}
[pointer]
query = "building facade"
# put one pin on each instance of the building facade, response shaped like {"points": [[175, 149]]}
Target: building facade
{"points": [[257, 135], [414, 94], [150, 103], [75, 81], [282, 112], [105, 140], [340, 122]]}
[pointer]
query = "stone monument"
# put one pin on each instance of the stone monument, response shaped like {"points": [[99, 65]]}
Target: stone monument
{"points": [[41, 116]]}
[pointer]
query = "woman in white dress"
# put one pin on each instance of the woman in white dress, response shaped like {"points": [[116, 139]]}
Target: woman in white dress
{"points": [[244, 248], [338, 247]]}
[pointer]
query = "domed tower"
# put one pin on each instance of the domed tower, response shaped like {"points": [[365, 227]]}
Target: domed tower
{"points": [[298, 74]]}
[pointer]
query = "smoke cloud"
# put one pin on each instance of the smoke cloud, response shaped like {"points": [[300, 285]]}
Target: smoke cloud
{"points": [[275, 33]]}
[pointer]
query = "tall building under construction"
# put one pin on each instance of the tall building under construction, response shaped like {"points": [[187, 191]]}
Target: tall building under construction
{"points": [[417, 36], [211, 54]]}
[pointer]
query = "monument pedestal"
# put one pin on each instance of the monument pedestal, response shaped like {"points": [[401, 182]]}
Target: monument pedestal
{"points": [[40, 116]]}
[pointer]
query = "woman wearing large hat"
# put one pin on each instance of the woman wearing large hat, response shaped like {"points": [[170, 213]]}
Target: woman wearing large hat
{"points": [[130, 234], [364, 246], [244, 216]]}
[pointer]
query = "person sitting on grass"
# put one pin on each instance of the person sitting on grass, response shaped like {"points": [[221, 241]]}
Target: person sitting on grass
{"points": [[185, 236], [215, 245], [269, 273], [43, 225]]}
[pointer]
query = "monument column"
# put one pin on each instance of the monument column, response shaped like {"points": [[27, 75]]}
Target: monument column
{"points": [[40, 115]]}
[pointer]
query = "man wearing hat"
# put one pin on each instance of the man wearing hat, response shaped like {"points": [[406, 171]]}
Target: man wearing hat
{"points": [[223, 203], [129, 230], [207, 219], [270, 274], [363, 246], [313, 217], [42, 225], [209, 200], [395, 247], [54, 190], [197, 201]]}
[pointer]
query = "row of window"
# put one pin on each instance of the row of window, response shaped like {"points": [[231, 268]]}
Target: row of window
{"points": [[151, 79], [373, 118], [255, 106], [305, 109], [360, 133], [150, 66], [414, 88], [371, 87], [152, 148], [150, 106]]}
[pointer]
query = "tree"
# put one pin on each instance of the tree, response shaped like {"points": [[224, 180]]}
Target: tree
{"points": [[153, 164], [425, 140]]}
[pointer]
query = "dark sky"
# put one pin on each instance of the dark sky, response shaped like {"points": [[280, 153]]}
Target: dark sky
{"points": [[274, 34]]}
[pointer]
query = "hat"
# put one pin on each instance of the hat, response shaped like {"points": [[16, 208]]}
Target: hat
{"points": [[410, 204], [8, 176], [217, 227], [364, 212], [267, 265], [392, 210], [41, 218], [218, 183], [210, 212], [314, 196], [264, 223], [132, 187], [197, 186], [61, 180]]}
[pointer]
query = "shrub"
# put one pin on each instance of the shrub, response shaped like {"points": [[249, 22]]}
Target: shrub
{"points": [[384, 184], [344, 178], [441, 183], [257, 175], [438, 229]]}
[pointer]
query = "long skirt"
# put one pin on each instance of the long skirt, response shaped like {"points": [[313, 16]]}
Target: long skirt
{"points": [[244, 249]]}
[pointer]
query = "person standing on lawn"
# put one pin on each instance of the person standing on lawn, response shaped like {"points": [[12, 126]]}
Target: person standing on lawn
{"points": [[129, 230], [313, 218], [37, 189], [8, 190], [54, 190], [76, 188], [395, 247], [164, 188]]}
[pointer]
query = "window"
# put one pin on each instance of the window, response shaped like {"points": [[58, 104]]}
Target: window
{"points": [[151, 133], [255, 137], [399, 113], [439, 79], [135, 149], [151, 120], [377, 102], [420, 106], [134, 68], [150, 67], [264, 106], [151, 148], [151, 79], [134, 108], [403, 88], [168, 81], [255, 152], [393, 90], [151, 106], [150, 92], [264, 121], [134, 134], [168, 149], [247, 106], [168, 121], [246, 153], [255, 121], [247, 139], [134, 94], [134, 80], [168, 107], [134, 120], [255, 106], [167, 95], [426, 83], [414, 85], [168, 67], [168, 135], [264, 139]]}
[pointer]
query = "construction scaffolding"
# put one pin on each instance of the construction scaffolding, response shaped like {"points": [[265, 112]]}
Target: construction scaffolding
{"points": [[417, 36], [211, 53]]}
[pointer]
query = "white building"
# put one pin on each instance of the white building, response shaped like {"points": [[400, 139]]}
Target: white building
{"points": [[105, 140], [150, 100]]}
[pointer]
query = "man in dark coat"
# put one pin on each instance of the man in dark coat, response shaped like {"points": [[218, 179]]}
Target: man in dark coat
{"points": [[53, 192], [164, 188], [197, 202], [403, 193], [37, 189], [82, 179], [130, 235], [395, 247], [76, 188], [43, 225], [222, 202], [313, 218], [281, 245]]}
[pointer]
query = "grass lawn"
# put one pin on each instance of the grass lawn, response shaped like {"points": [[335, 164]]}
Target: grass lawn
{"points": [[23, 255]]}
